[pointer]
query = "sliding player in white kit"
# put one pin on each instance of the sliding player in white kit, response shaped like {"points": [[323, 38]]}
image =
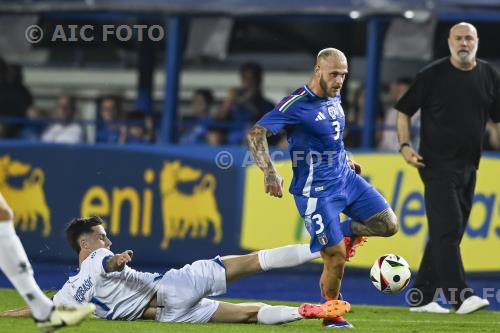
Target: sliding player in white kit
{"points": [[120, 292]]}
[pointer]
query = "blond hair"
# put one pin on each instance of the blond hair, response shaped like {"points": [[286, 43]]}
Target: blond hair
{"points": [[331, 52]]}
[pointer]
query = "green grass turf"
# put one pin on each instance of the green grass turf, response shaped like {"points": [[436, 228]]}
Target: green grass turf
{"points": [[365, 319]]}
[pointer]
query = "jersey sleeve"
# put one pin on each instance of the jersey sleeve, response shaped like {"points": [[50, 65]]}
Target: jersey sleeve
{"points": [[413, 99], [275, 119], [97, 261]]}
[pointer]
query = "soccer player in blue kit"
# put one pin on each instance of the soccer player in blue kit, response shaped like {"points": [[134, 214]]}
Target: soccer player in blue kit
{"points": [[325, 182]]}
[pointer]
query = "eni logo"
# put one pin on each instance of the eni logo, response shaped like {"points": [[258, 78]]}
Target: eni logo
{"points": [[182, 212], [27, 201]]}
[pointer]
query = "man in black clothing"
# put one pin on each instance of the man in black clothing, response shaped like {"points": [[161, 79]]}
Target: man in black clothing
{"points": [[456, 96]]}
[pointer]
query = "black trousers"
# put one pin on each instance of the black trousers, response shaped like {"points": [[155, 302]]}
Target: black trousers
{"points": [[448, 202]]}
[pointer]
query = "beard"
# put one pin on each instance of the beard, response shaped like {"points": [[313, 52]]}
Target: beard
{"points": [[466, 56], [324, 87]]}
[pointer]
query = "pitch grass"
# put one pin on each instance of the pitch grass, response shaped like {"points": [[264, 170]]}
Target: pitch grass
{"points": [[365, 319]]}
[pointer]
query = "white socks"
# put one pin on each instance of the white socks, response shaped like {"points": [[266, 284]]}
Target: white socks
{"points": [[279, 314], [16, 266], [282, 257], [286, 256]]}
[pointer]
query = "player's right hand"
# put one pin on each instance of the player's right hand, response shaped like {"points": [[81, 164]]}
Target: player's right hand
{"points": [[354, 166], [273, 184], [412, 157]]}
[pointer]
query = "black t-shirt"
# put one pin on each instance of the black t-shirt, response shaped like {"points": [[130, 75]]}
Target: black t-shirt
{"points": [[455, 106]]}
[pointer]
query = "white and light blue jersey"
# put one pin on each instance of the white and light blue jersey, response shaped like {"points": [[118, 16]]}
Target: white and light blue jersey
{"points": [[314, 127], [117, 295]]}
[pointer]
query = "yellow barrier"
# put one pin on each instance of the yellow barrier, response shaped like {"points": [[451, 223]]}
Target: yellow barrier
{"points": [[270, 222]]}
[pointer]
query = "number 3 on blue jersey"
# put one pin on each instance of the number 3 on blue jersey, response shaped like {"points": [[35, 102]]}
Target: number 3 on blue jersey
{"points": [[336, 124], [319, 221]]}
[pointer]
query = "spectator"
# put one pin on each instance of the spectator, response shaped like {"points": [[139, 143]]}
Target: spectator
{"points": [[66, 130], [110, 114], [200, 129], [151, 122], [245, 105], [388, 135], [215, 135], [33, 130], [354, 120], [135, 132]]}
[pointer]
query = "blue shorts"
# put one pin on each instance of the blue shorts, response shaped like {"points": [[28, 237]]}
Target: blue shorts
{"points": [[358, 199]]}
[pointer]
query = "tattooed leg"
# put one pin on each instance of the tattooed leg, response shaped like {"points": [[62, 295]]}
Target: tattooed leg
{"points": [[383, 224]]}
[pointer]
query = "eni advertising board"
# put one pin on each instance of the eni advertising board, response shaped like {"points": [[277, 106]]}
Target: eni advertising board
{"points": [[167, 208], [269, 221]]}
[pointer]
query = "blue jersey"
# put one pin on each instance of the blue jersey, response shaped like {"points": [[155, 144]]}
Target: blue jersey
{"points": [[314, 127]]}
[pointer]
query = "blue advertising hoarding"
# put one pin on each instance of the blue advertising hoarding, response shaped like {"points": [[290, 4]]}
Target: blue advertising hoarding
{"points": [[171, 206]]}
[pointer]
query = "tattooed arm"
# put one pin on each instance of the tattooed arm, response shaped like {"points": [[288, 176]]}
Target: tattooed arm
{"points": [[257, 142]]}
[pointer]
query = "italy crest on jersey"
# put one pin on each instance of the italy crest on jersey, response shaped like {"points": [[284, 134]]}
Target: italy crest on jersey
{"points": [[331, 111], [335, 110]]}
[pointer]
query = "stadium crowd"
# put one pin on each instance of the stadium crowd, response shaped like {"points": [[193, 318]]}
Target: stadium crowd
{"points": [[206, 120]]}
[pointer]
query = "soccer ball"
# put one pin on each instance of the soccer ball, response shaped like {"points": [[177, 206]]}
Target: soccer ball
{"points": [[390, 273]]}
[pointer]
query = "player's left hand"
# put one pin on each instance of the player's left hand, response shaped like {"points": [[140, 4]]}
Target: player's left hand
{"points": [[355, 166], [124, 258]]}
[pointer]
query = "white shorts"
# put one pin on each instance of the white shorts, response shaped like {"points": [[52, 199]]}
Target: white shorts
{"points": [[181, 294]]}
